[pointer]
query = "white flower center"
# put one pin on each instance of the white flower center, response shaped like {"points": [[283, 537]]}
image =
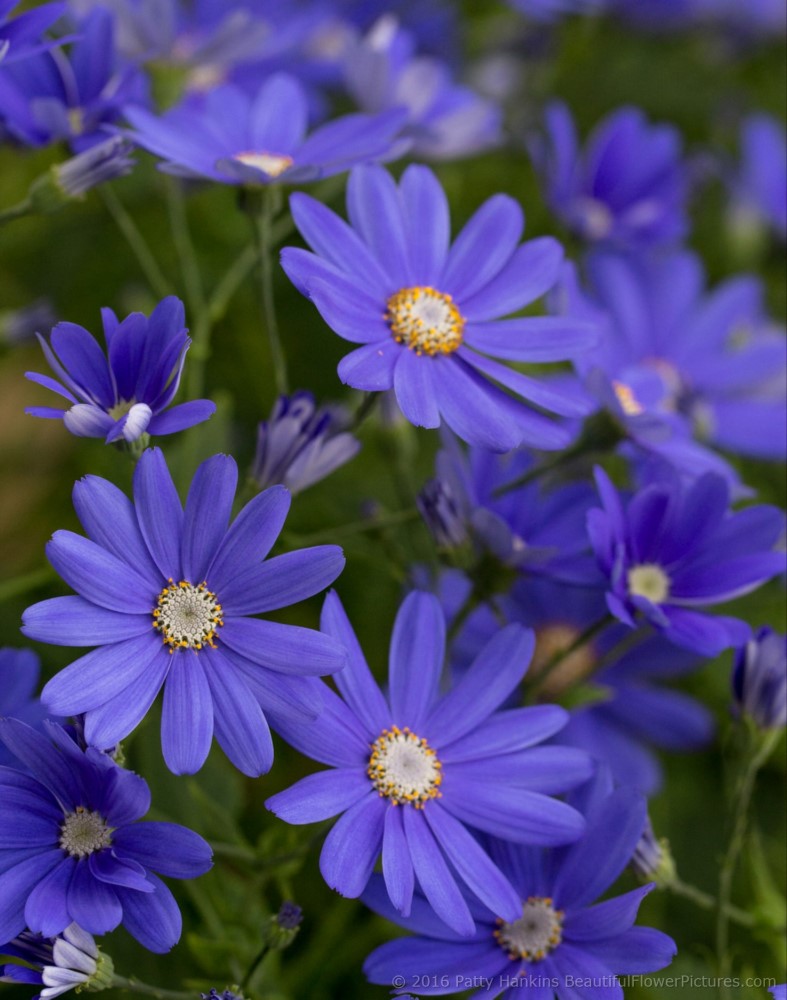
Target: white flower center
{"points": [[404, 768], [537, 932], [426, 320], [187, 616], [84, 832], [650, 581], [273, 164], [629, 403]]}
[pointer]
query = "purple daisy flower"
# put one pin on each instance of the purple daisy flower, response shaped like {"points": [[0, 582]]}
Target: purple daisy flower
{"points": [[72, 961], [410, 771], [230, 137], [126, 392], [22, 36], [166, 595], [427, 313], [759, 679], [19, 673], [628, 187], [672, 550], [558, 939], [72, 852]]}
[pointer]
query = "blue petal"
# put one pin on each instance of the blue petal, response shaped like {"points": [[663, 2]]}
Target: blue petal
{"points": [[152, 918], [92, 904], [471, 406], [278, 116], [352, 847], [43, 760], [207, 514], [159, 512], [251, 536], [105, 866], [46, 910], [178, 418], [531, 271], [434, 968], [370, 367], [321, 796], [88, 420], [607, 919], [427, 222], [187, 716], [483, 248], [640, 949], [73, 621], [99, 576], [375, 210], [348, 313], [167, 848], [282, 581], [85, 361], [288, 648], [397, 865], [16, 885], [532, 338], [414, 390], [506, 732], [238, 722], [106, 725], [416, 658]]}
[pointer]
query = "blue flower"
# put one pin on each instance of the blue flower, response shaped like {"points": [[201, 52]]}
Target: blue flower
{"points": [[759, 679], [72, 852], [126, 392], [558, 938], [445, 120], [166, 595], [759, 190], [409, 771], [681, 368], [19, 674], [778, 992], [229, 137], [550, 10], [628, 187], [101, 163], [22, 36], [673, 549], [72, 961], [53, 96], [300, 444], [427, 313]]}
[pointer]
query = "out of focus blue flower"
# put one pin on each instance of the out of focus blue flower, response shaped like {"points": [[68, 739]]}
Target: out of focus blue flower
{"points": [[127, 391], [628, 187], [17, 326], [23, 35], [550, 10], [672, 550], [19, 673], [759, 679], [426, 312], [558, 938], [229, 137], [101, 163], [382, 70], [70, 96], [300, 444], [759, 190], [70, 961], [410, 772], [778, 992], [681, 368]]}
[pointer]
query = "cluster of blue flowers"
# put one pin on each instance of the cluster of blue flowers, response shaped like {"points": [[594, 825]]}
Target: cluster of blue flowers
{"points": [[586, 515]]}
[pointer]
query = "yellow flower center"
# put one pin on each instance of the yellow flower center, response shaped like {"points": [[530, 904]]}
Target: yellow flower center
{"points": [[650, 581], [404, 768], [425, 320], [537, 932], [187, 616], [628, 401], [272, 164]]}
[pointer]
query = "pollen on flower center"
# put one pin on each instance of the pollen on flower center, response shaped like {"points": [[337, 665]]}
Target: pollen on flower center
{"points": [[187, 616], [650, 581], [404, 768], [426, 320], [84, 832], [537, 932], [629, 403], [273, 164]]}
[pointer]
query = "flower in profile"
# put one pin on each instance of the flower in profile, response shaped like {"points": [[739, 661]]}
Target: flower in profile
{"points": [[23, 35], [17, 326], [427, 313], [72, 961], [759, 190], [382, 70], [101, 163], [685, 372], [300, 444], [628, 187], [759, 679], [229, 137], [672, 550], [19, 673], [72, 851], [70, 96], [559, 937], [127, 391], [167, 594], [412, 771]]}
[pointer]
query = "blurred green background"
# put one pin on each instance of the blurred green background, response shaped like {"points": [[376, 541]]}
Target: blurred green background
{"points": [[78, 260]]}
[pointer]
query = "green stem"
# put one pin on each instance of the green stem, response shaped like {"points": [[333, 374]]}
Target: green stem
{"points": [[265, 241], [367, 405], [358, 527], [255, 964], [28, 581], [16, 211], [706, 901], [229, 284], [136, 241], [740, 810], [133, 985], [563, 654]]}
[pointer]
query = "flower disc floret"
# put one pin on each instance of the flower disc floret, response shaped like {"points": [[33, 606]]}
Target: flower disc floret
{"points": [[84, 832], [425, 320], [650, 581], [404, 768], [187, 616], [272, 164], [537, 932]]}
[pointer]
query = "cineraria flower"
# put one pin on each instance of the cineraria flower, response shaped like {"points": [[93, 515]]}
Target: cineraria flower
{"points": [[445, 120], [778, 992], [52, 96], [628, 187], [72, 851], [167, 594], [682, 369], [409, 771], [17, 326], [558, 939], [427, 313], [72, 961], [229, 137], [101, 163], [19, 673], [300, 444], [759, 679], [126, 392], [759, 191], [674, 549], [22, 36]]}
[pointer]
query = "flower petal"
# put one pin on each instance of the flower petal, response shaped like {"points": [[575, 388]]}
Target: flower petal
{"points": [[320, 796], [187, 716], [207, 515], [352, 847], [416, 658], [159, 512]]}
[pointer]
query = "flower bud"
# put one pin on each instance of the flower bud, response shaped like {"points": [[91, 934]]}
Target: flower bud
{"points": [[759, 679]]}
